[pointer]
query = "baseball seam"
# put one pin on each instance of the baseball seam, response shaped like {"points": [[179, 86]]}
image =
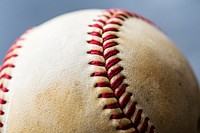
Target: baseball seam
{"points": [[6, 69], [103, 36]]}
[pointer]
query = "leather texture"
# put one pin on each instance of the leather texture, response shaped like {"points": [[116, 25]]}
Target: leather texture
{"points": [[52, 90]]}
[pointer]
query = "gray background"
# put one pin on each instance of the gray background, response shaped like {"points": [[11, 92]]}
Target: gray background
{"points": [[180, 19]]}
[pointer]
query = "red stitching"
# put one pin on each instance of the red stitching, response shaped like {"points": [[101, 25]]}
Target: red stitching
{"points": [[9, 57], [121, 91], [112, 63], [110, 29], [109, 44], [137, 118], [6, 66], [94, 33], [104, 74], [114, 22], [114, 72], [125, 100], [100, 20], [11, 54], [97, 52], [14, 48], [111, 53], [95, 42], [131, 110], [102, 84], [108, 37], [112, 106], [96, 25], [5, 76], [117, 116], [106, 95], [97, 63], [117, 82], [144, 125], [112, 69], [125, 127], [1, 112], [2, 101], [4, 89]]}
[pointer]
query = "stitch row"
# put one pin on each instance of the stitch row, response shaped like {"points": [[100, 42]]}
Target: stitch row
{"points": [[6, 68], [103, 35]]}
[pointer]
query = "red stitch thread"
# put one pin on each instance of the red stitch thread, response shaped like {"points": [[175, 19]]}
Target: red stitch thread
{"points": [[100, 20], [4, 89], [112, 106], [118, 87], [14, 48], [125, 127], [109, 44], [98, 52], [114, 22], [131, 110], [7, 66], [5, 76], [96, 25], [117, 82], [108, 37], [2, 101], [125, 100], [121, 91], [114, 72], [112, 63], [1, 124], [9, 57], [102, 84], [110, 29], [144, 125], [117, 116], [97, 63], [106, 95], [11, 54], [137, 118], [1, 112], [111, 53], [95, 42], [94, 33], [104, 74]]}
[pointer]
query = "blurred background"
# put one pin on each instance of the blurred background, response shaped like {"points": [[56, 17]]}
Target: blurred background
{"points": [[180, 19]]}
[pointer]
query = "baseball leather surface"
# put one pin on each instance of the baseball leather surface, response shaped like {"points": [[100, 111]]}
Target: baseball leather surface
{"points": [[96, 71]]}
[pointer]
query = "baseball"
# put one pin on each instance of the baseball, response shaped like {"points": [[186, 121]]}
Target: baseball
{"points": [[97, 71]]}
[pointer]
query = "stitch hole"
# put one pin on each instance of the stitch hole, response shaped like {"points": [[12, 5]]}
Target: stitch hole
{"points": [[198, 125], [95, 85], [100, 96], [92, 75], [152, 129], [1, 112], [2, 101], [1, 124]]}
